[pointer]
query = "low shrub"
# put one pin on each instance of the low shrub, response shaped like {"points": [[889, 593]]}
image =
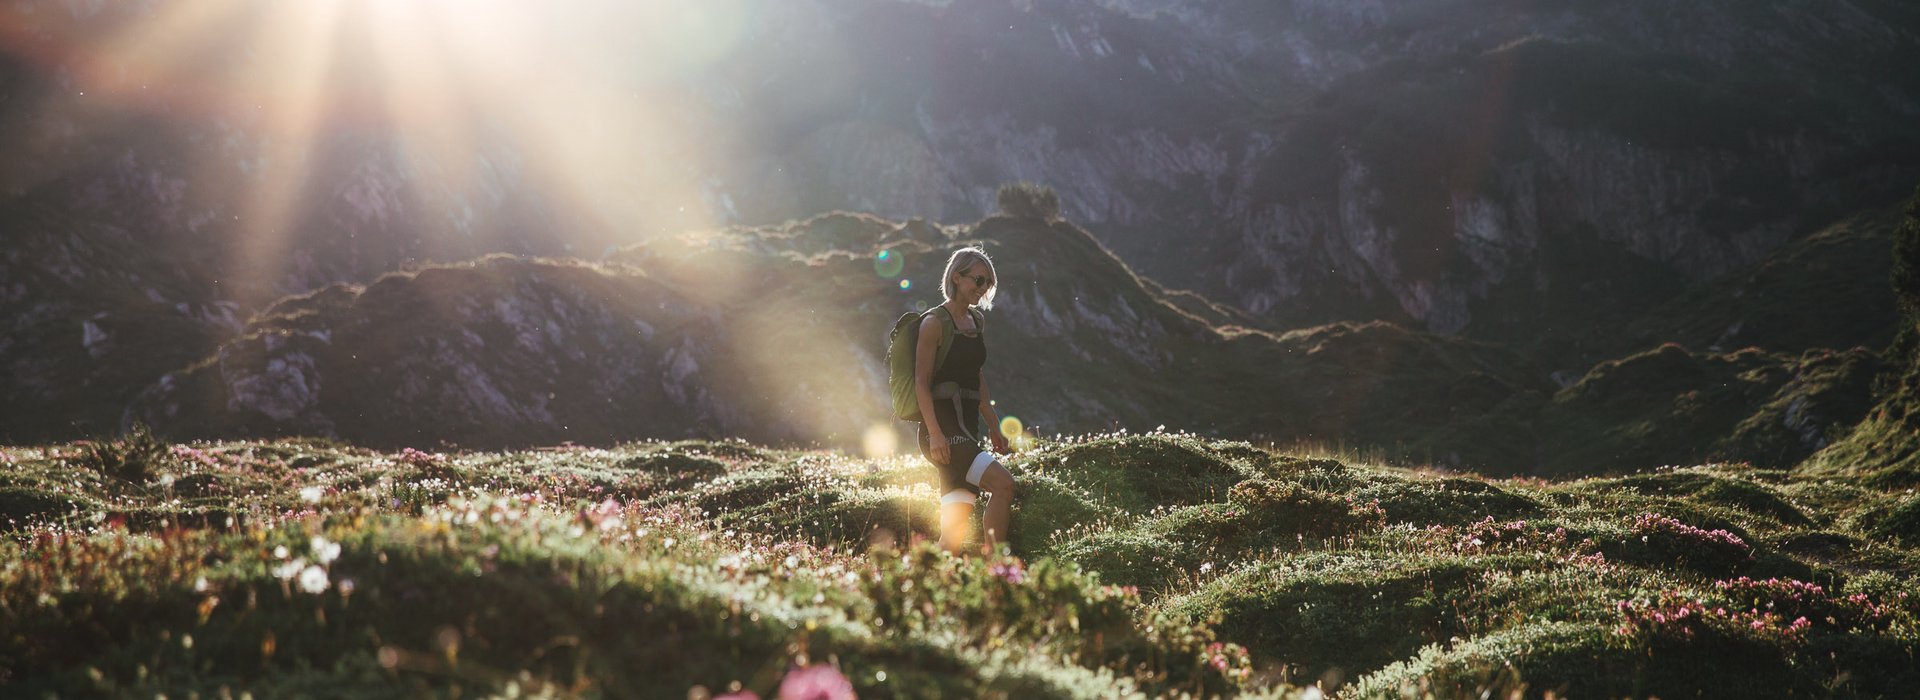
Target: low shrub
{"points": [[1652, 538], [1028, 201], [136, 458]]}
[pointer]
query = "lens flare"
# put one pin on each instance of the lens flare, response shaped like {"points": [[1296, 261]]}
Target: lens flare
{"points": [[1016, 434], [888, 264], [906, 285], [879, 442]]}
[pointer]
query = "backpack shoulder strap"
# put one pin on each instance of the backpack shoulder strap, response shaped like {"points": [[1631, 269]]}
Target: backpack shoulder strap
{"points": [[947, 330], [979, 320]]}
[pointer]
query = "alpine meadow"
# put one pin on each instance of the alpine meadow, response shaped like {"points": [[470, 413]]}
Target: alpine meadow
{"points": [[1414, 349]]}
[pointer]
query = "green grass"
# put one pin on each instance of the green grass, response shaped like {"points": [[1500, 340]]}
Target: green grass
{"points": [[1150, 565]]}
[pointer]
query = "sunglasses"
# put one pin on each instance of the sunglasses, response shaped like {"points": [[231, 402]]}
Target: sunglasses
{"points": [[978, 280]]}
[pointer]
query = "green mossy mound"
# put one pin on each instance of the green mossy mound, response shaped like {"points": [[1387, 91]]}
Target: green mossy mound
{"points": [[1585, 659], [1706, 488], [1450, 500], [1900, 521], [502, 596], [1260, 515], [25, 505], [1151, 565], [1341, 613], [1135, 474]]}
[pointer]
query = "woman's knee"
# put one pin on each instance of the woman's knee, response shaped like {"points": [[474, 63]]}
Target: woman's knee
{"points": [[998, 481]]}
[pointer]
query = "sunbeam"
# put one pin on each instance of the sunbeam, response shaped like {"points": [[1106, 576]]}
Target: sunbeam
{"points": [[593, 108]]}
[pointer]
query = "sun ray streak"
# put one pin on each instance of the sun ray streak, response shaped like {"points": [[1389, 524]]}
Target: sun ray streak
{"points": [[292, 125]]}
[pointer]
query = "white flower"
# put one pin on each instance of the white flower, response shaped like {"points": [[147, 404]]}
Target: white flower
{"points": [[311, 494], [1204, 568], [280, 552], [324, 551], [288, 570], [313, 579]]}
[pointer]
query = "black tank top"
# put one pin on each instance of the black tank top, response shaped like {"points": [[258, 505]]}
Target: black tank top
{"points": [[964, 359]]}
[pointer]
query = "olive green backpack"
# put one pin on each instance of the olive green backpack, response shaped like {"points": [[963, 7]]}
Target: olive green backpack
{"points": [[900, 355]]}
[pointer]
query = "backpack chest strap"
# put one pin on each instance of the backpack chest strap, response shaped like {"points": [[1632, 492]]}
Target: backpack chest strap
{"points": [[952, 390]]}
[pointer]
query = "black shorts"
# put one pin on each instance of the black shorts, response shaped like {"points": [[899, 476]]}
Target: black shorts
{"points": [[966, 458]]}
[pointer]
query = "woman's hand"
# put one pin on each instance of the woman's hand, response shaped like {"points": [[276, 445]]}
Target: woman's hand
{"points": [[937, 444], [999, 441]]}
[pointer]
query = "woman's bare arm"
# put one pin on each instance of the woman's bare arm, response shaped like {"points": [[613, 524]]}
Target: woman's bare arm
{"points": [[924, 351]]}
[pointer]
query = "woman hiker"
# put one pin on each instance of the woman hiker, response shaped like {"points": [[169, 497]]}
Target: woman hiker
{"points": [[955, 396]]}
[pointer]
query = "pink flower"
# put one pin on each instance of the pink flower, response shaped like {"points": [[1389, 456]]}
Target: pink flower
{"points": [[816, 682], [1012, 572], [416, 457]]}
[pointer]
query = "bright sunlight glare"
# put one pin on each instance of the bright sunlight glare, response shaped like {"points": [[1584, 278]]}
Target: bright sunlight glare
{"points": [[586, 100]]}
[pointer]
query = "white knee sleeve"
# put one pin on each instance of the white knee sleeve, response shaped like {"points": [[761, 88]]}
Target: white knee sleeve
{"points": [[979, 468], [959, 496]]}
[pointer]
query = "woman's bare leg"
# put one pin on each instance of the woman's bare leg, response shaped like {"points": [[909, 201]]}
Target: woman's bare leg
{"points": [[999, 517], [955, 520]]}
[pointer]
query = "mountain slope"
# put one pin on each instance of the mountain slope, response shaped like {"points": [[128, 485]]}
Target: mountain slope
{"points": [[775, 334], [1416, 162], [1885, 443], [758, 333]]}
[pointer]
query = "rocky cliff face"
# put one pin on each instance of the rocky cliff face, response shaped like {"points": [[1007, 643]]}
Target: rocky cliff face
{"points": [[1307, 161], [504, 351], [1303, 160], [1457, 165]]}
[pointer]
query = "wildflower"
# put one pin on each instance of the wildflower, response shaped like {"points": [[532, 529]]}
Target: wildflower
{"points": [[288, 570], [1206, 567], [417, 458], [1013, 572], [604, 516], [323, 550], [311, 494], [817, 682], [313, 579]]}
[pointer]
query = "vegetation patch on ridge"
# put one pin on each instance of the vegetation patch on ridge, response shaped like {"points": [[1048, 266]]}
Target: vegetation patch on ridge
{"points": [[1147, 565]]}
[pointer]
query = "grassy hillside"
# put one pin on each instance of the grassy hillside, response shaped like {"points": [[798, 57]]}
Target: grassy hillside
{"points": [[1887, 442], [1147, 565], [1827, 290]]}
